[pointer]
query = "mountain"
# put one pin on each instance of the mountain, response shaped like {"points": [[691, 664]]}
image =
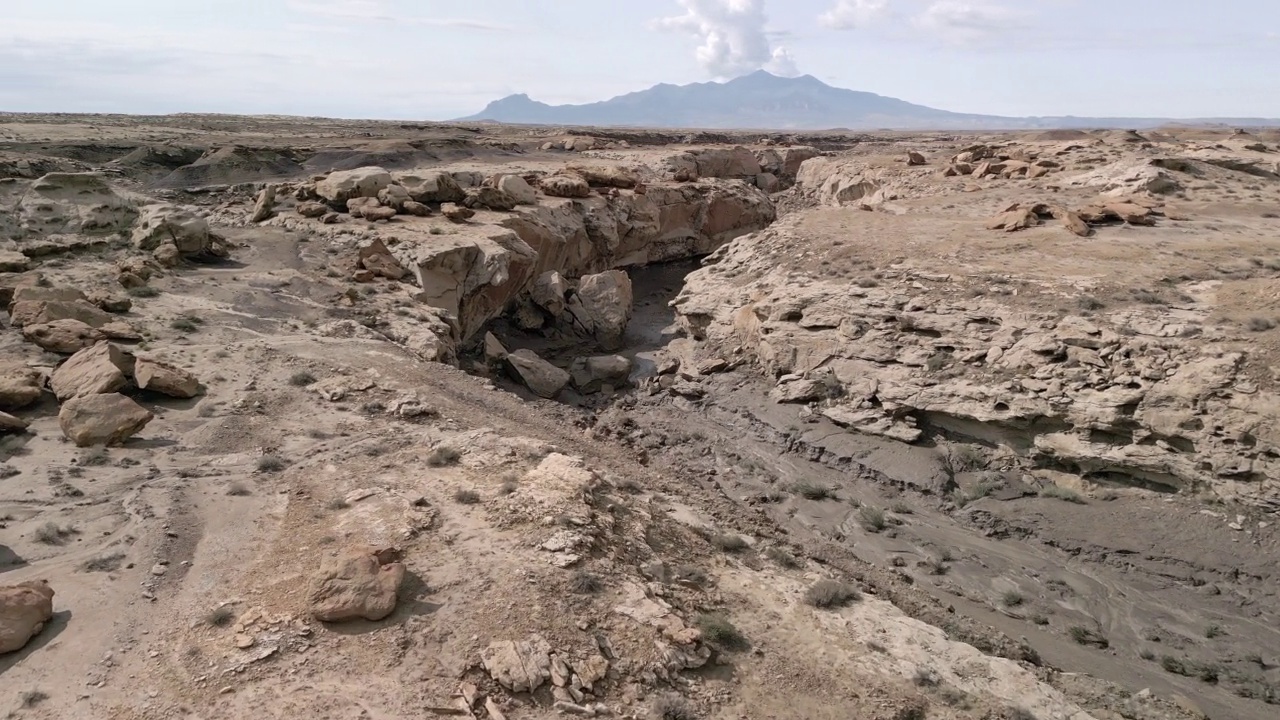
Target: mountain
{"points": [[762, 100]]}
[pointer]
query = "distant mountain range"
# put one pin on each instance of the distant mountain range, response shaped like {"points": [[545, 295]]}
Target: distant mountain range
{"points": [[765, 101]]}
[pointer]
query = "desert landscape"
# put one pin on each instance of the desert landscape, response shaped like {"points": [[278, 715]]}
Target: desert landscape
{"points": [[356, 419]]}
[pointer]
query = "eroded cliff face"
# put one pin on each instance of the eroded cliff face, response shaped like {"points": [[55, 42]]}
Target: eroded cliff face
{"points": [[1132, 396]]}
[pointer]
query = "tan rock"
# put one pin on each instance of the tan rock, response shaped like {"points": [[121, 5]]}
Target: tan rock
{"points": [[20, 386], [602, 307], [915, 158], [378, 213], [159, 377], [11, 424], [519, 665], [415, 208], [170, 224], [489, 197], [605, 175], [565, 185], [543, 378], [517, 189], [377, 259], [103, 368], [63, 336], [105, 419], [457, 213], [111, 303], [38, 312], [394, 196], [356, 585], [312, 209], [264, 206], [11, 261], [339, 187], [433, 187], [24, 610]]}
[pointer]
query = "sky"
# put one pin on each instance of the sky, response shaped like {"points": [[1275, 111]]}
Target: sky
{"points": [[435, 60]]}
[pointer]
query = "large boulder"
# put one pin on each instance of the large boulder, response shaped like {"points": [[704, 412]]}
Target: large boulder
{"points": [[738, 162], [549, 291], [606, 175], [341, 186], [541, 377], [107, 419], [74, 204], [601, 307], [566, 185], [489, 197], [519, 190], [163, 224], [15, 262], [265, 205], [433, 187], [11, 424], [159, 377], [358, 584], [63, 336], [394, 196], [20, 386], [591, 374], [103, 368], [24, 610]]}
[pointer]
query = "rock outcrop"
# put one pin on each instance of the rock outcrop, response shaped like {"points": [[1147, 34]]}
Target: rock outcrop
{"points": [[63, 336], [73, 204], [102, 419], [339, 187], [24, 610], [103, 368], [601, 307], [358, 584]]}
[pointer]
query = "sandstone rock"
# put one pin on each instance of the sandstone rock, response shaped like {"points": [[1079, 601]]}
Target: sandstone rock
{"points": [[103, 368], [519, 190], [20, 386], [356, 585], [601, 307], [111, 303], [767, 182], [415, 208], [120, 330], [565, 185], [394, 196], [518, 666], [357, 205], [915, 158], [794, 157], [433, 187], [468, 178], [16, 262], [312, 209], [377, 259], [63, 336], [375, 213], [24, 610], [160, 224], [11, 424], [73, 204], [591, 374], [605, 175], [489, 197], [167, 255], [494, 351], [339, 187], [457, 213], [549, 292], [737, 162], [104, 419], [541, 377], [37, 312], [159, 377], [265, 205], [798, 391]]}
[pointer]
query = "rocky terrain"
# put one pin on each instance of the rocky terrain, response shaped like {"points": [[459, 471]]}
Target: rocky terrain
{"points": [[356, 419]]}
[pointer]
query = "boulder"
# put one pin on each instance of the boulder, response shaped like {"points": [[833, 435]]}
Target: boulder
{"points": [[110, 303], [358, 584], [489, 197], [103, 368], [565, 185], [768, 182], [394, 196], [24, 610], [311, 209], [265, 205], [15, 262], [73, 204], [468, 179], [519, 190], [63, 336], [161, 224], [20, 386], [377, 259], [434, 187], [794, 157], [107, 419], [11, 424], [591, 374], [605, 175], [339, 187], [549, 291], [915, 158], [159, 377], [38, 312], [519, 665], [601, 307], [457, 213], [798, 391], [737, 162], [494, 351], [415, 208], [357, 205], [378, 212], [541, 377]]}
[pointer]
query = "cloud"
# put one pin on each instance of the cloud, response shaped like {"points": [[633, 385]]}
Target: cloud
{"points": [[963, 22], [733, 35], [849, 14], [381, 11]]}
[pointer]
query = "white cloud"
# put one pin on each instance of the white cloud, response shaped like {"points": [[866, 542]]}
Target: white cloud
{"points": [[849, 14], [734, 40], [379, 11], [961, 21]]}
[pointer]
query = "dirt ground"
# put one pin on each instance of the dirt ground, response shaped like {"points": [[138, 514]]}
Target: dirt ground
{"points": [[182, 559]]}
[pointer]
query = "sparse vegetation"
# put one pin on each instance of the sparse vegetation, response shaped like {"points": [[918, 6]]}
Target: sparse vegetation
{"points": [[937, 566], [143, 291], [1057, 492], [813, 491], [717, 630], [95, 457], [52, 533], [1084, 636], [671, 706], [783, 558], [443, 455], [1173, 665], [872, 519], [926, 677], [238, 490], [1089, 303], [337, 504], [1213, 631], [186, 324], [584, 583], [466, 497], [1147, 654], [1259, 324], [508, 487], [32, 698], [730, 543], [220, 617], [831, 594], [692, 575], [1014, 712], [103, 563], [301, 378], [272, 463], [1013, 598]]}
